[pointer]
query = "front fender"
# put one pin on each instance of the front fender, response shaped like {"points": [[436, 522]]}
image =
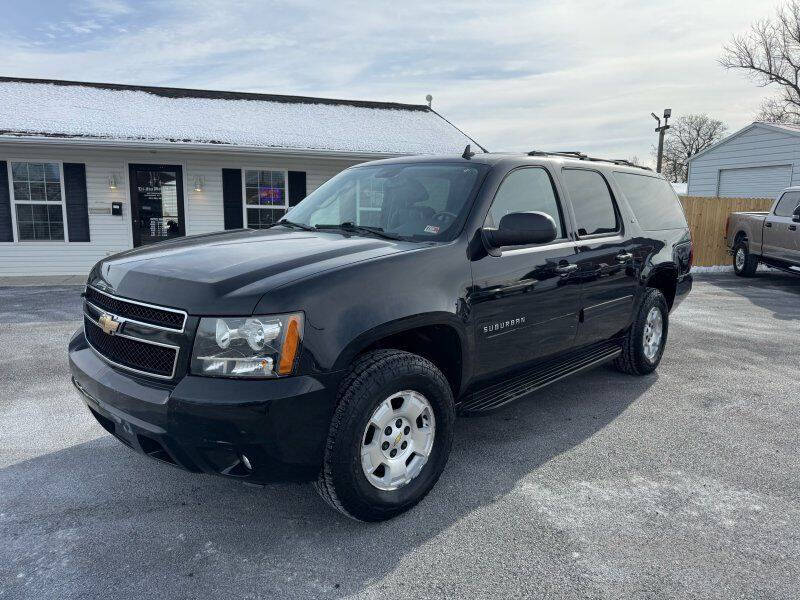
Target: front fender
{"points": [[348, 309], [370, 337]]}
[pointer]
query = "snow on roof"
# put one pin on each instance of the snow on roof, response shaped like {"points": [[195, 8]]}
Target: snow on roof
{"points": [[44, 108]]}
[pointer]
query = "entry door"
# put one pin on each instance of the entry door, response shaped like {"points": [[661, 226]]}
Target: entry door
{"points": [[781, 239], [156, 203], [525, 302], [605, 259]]}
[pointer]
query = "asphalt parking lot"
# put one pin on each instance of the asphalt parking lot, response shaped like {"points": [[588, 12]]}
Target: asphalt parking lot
{"points": [[683, 484]]}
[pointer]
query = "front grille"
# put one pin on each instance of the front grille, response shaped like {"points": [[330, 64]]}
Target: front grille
{"points": [[130, 353], [136, 311]]}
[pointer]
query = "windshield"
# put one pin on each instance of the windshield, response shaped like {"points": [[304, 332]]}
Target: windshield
{"points": [[416, 201]]}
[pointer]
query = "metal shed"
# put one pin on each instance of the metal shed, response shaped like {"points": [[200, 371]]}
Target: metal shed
{"points": [[755, 162]]}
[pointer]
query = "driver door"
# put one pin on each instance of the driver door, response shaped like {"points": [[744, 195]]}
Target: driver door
{"points": [[525, 302]]}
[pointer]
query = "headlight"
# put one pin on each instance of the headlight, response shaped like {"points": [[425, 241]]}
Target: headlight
{"points": [[247, 346]]}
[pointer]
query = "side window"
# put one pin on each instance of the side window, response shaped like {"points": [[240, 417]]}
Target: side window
{"points": [[525, 190], [788, 202], [591, 201], [653, 201]]}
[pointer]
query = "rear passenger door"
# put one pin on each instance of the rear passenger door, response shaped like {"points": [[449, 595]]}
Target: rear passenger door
{"points": [[605, 257], [780, 230]]}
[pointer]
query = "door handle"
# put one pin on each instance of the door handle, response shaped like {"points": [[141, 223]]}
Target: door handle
{"points": [[624, 256], [567, 268], [767, 224], [792, 227]]}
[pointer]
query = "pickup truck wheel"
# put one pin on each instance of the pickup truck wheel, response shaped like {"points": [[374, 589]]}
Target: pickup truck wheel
{"points": [[744, 263], [643, 345], [390, 436]]}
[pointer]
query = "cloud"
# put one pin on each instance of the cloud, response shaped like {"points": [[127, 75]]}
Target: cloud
{"points": [[106, 8], [568, 74]]}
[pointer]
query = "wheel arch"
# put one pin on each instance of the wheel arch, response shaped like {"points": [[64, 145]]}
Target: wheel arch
{"points": [[438, 337], [740, 236], [664, 278]]}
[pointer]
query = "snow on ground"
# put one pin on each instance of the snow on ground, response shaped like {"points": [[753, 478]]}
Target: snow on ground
{"points": [[722, 269], [84, 111], [680, 188], [714, 269]]}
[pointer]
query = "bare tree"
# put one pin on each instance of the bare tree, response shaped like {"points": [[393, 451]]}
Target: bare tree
{"points": [[778, 110], [770, 54], [688, 135]]}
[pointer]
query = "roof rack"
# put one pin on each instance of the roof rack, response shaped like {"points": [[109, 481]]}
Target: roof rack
{"points": [[582, 156]]}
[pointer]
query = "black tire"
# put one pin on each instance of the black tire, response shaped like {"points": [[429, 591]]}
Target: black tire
{"points": [[633, 359], [750, 262], [374, 377]]}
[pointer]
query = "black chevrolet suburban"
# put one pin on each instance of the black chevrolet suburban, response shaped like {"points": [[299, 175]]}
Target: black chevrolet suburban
{"points": [[339, 344]]}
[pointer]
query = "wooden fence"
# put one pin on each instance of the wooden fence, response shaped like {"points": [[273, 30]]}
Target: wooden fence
{"points": [[707, 216]]}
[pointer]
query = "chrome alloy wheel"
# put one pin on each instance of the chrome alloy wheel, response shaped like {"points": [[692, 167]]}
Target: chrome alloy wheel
{"points": [[740, 258], [653, 332], [397, 440]]}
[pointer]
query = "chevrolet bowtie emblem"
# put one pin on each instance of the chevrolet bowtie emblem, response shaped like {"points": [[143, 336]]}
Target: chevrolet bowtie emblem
{"points": [[108, 324]]}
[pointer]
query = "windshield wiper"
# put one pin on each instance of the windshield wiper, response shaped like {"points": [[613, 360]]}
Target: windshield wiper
{"points": [[349, 226], [286, 223]]}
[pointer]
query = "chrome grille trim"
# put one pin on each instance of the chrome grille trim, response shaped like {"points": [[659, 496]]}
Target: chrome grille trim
{"points": [[135, 339], [122, 319], [176, 311]]}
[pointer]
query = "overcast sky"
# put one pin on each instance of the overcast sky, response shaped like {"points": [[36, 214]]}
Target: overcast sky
{"points": [[562, 74]]}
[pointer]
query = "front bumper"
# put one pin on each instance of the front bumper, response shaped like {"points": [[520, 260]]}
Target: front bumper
{"points": [[258, 430], [682, 289]]}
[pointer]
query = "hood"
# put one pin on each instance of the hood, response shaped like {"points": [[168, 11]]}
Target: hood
{"points": [[227, 273]]}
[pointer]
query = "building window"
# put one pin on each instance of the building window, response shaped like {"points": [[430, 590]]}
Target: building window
{"points": [[38, 200], [265, 197], [369, 202]]}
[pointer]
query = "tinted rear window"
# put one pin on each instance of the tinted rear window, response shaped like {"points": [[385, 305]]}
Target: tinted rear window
{"points": [[653, 201], [591, 200]]}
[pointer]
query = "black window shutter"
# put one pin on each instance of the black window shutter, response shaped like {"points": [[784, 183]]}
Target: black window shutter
{"points": [[297, 186], [6, 231], [232, 198], [76, 202]]}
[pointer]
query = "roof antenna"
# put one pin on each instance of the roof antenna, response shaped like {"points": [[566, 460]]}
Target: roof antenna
{"points": [[468, 153], [429, 98]]}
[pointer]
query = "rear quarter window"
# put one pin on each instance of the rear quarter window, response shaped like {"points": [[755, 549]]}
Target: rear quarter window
{"points": [[653, 201]]}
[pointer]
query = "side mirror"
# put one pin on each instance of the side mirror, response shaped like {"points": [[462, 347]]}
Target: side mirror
{"points": [[796, 215], [519, 229]]}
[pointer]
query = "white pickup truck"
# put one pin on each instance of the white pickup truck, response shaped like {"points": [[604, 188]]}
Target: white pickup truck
{"points": [[771, 238]]}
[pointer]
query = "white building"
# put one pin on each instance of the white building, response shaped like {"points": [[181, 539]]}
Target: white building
{"points": [[755, 162], [87, 170]]}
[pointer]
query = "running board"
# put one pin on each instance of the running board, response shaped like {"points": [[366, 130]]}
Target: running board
{"points": [[500, 394]]}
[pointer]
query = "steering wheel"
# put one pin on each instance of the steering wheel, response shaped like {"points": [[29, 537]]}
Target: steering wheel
{"points": [[444, 217]]}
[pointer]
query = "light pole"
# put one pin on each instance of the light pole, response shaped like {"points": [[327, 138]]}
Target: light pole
{"points": [[661, 130]]}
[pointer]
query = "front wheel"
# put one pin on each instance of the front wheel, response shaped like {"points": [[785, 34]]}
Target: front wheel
{"points": [[643, 345], [744, 263], [390, 436]]}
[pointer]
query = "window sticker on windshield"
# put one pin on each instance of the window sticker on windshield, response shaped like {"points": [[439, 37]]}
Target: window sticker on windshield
{"points": [[431, 229]]}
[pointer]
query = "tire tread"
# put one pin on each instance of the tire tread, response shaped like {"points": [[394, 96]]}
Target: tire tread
{"points": [[750, 261], [629, 361], [365, 374]]}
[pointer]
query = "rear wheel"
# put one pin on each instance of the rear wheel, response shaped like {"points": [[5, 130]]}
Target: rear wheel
{"points": [[744, 263], [390, 436], [643, 345]]}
